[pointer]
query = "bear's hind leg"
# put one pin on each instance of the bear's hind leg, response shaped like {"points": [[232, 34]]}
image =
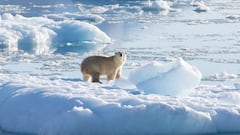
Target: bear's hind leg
{"points": [[96, 77]]}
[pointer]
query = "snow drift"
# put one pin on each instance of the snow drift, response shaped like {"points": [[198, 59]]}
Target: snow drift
{"points": [[177, 78]]}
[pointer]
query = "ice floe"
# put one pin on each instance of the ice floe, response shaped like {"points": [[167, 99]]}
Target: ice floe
{"points": [[92, 18], [160, 5], [176, 78], [61, 106], [223, 76], [39, 35], [13, 9], [200, 6]]}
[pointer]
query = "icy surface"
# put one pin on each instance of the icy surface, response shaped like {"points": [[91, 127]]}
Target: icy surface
{"points": [[57, 106], [157, 5], [160, 5], [40, 35], [176, 79], [200, 6]]}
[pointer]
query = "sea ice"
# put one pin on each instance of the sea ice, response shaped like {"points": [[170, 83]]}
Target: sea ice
{"points": [[223, 76], [50, 107], [176, 79], [160, 5], [200, 6], [233, 17], [40, 35], [237, 86], [56, 106]]}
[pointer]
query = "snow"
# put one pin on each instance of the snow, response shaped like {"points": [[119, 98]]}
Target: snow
{"points": [[93, 18], [12, 8], [39, 35], [160, 5], [223, 76], [57, 106], [200, 6], [176, 79]]}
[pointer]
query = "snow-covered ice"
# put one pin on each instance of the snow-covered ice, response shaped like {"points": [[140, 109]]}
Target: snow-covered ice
{"points": [[56, 106], [43, 105], [160, 5], [200, 6], [176, 79], [39, 35]]}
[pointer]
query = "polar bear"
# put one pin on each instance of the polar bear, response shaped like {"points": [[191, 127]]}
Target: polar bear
{"points": [[95, 66]]}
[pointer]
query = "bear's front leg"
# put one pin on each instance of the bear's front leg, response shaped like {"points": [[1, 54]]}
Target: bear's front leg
{"points": [[112, 76], [118, 73]]}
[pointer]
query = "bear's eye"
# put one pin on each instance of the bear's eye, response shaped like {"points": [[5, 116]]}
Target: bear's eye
{"points": [[120, 54]]}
